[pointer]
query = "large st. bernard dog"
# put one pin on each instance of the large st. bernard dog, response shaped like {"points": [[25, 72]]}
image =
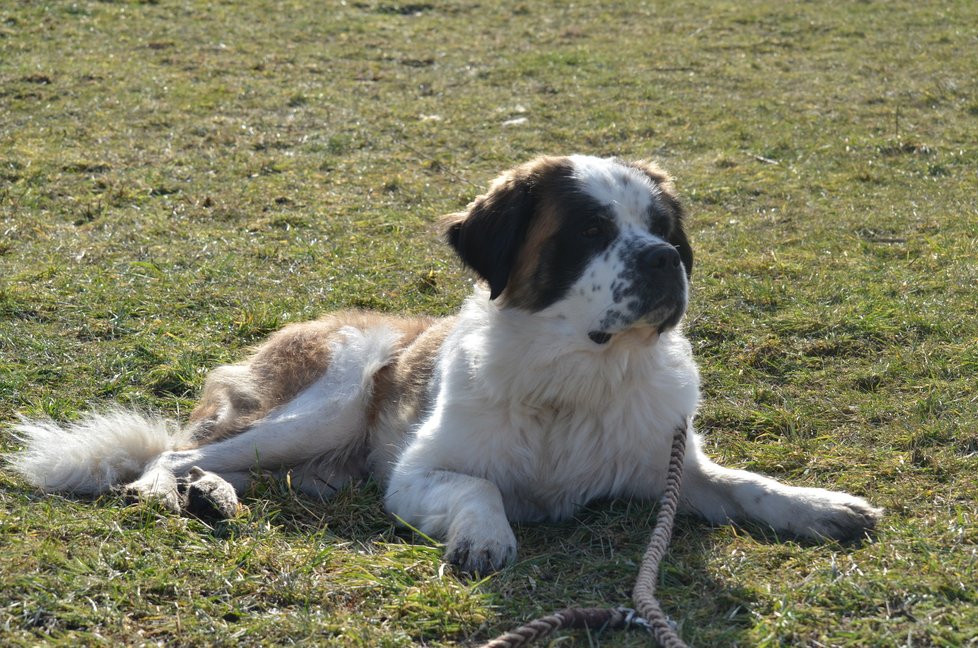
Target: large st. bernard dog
{"points": [[561, 381]]}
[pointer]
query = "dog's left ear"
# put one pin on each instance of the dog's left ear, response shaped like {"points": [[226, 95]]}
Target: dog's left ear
{"points": [[488, 234], [670, 200]]}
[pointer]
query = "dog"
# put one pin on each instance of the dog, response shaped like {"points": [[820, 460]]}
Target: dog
{"points": [[560, 381]]}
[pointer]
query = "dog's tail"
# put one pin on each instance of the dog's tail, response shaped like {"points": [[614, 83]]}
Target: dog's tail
{"points": [[93, 454]]}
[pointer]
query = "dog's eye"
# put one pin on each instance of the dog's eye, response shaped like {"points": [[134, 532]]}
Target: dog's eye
{"points": [[660, 228], [591, 231]]}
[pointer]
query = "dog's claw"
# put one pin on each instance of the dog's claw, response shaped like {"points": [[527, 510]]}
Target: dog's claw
{"points": [[480, 558]]}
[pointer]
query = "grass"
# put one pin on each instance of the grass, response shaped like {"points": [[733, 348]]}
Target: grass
{"points": [[178, 180]]}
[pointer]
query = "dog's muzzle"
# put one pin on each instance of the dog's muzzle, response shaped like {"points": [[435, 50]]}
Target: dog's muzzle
{"points": [[651, 292]]}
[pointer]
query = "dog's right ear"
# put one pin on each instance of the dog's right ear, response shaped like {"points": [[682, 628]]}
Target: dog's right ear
{"points": [[488, 234]]}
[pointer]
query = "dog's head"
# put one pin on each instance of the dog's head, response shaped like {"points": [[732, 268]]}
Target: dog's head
{"points": [[596, 241]]}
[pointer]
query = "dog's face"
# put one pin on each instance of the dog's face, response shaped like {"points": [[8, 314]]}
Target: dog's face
{"points": [[596, 242]]}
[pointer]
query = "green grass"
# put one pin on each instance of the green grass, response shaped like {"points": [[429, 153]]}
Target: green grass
{"points": [[179, 179]]}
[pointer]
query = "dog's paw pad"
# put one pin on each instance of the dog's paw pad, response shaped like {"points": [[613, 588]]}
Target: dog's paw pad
{"points": [[208, 496]]}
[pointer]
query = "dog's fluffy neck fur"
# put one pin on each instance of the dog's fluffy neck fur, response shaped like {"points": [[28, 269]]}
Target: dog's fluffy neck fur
{"points": [[540, 364]]}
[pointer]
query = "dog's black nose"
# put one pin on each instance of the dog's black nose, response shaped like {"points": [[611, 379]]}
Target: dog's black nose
{"points": [[660, 256]]}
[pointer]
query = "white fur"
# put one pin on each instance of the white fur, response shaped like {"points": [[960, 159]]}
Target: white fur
{"points": [[548, 418], [629, 191], [531, 422], [93, 454], [314, 432]]}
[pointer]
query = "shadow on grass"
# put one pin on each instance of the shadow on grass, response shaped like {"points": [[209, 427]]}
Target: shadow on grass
{"points": [[589, 561], [593, 560]]}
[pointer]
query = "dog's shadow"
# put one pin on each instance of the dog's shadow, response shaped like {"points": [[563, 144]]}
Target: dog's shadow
{"points": [[589, 561], [353, 513], [594, 559]]}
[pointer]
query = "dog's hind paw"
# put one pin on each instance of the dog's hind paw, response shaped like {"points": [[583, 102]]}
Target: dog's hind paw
{"points": [[208, 496]]}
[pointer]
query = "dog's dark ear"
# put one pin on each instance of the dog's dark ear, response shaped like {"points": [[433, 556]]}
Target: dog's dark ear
{"points": [[670, 200], [488, 234]]}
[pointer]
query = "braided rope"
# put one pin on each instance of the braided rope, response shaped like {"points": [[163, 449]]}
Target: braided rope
{"points": [[643, 594], [569, 618], [649, 614]]}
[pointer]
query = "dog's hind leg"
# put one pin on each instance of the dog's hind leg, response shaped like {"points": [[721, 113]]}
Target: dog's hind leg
{"points": [[327, 418]]}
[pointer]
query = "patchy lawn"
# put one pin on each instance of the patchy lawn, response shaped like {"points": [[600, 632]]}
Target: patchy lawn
{"points": [[179, 179]]}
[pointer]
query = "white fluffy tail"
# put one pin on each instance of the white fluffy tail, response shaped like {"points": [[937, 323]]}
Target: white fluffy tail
{"points": [[93, 454]]}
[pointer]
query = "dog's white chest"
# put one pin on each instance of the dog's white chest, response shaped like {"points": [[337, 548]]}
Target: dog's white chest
{"points": [[560, 459]]}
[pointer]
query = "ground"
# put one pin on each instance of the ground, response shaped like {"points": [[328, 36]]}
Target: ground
{"points": [[179, 179]]}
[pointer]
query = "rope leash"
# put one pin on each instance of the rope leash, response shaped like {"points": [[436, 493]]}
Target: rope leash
{"points": [[648, 613]]}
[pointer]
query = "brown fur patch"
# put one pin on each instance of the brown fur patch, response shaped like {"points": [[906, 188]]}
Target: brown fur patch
{"points": [[670, 199], [661, 177], [401, 395], [658, 175], [235, 396], [545, 223], [230, 403], [392, 381], [488, 235]]}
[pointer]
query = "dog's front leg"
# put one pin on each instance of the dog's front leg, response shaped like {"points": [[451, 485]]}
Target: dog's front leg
{"points": [[722, 494], [466, 511]]}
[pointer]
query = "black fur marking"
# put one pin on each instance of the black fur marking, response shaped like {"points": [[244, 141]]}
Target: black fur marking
{"points": [[666, 216], [586, 230], [489, 237], [666, 222]]}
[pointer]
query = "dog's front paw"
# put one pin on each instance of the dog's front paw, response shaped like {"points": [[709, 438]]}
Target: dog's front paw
{"points": [[482, 553], [835, 515]]}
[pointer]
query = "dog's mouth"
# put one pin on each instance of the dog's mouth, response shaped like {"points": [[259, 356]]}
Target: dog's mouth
{"points": [[655, 320], [641, 335]]}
